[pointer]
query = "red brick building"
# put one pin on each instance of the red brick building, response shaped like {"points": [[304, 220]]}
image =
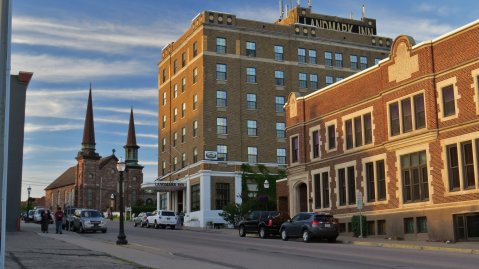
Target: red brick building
{"points": [[401, 135], [93, 181]]}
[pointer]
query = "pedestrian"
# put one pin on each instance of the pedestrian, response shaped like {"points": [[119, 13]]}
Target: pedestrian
{"points": [[182, 217], [178, 221], [46, 218], [59, 220]]}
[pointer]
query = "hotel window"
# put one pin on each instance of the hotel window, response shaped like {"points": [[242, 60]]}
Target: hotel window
{"points": [[183, 84], [195, 101], [195, 49], [368, 129], [195, 197], [251, 74], [279, 78], [175, 64], [183, 160], [163, 76], [175, 91], [195, 128], [338, 60], [460, 157], [183, 134], [358, 136], [278, 53], [294, 149], [453, 168], [183, 110], [358, 131], [331, 137], [252, 155], [448, 102], [220, 71], [301, 55], [328, 59], [163, 124], [354, 62], [408, 225], [222, 152], [252, 128], [321, 190], [407, 115], [281, 156], [363, 62], [414, 177], [175, 138], [315, 145], [195, 155], [220, 45], [250, 101], [221, 126], [251, 49], [183, 59], [312, 56], [421, 225], [175, 114], [280, 130], [313, 81], [163, 145], [349, 134], [375, 181], [329, 80], [164, 98], [221, 99], [303, 83], [195, 75], [222, 195], [279, 104]]}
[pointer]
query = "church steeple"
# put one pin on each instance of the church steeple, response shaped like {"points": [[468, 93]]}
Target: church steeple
{"points": [[88, 142], [131, 148]]}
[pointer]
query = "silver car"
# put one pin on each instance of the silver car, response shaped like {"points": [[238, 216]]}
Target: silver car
{"points": [[88, 220]]}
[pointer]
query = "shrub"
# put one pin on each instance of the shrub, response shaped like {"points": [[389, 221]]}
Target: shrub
{"points": [[356, 227]]}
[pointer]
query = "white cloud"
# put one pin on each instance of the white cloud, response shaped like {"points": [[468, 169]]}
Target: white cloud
{"points": [[32, 128], [57, 69], [155, 145], [149, 163], [28, 149], [439, 10], [136, 111]]}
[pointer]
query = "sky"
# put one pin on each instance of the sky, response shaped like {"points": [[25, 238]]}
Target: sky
{"points": [[116, 45]]}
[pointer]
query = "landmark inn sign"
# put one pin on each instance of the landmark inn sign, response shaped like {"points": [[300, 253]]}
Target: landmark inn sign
{"points": [[338, 26], [165, 186]]}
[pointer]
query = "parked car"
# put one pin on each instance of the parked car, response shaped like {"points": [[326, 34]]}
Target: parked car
{"points": [[28, 216], [88, 220], [68, 218], [264, 223], [310, 225], [162, 218], [141, 219], [38, 213]]}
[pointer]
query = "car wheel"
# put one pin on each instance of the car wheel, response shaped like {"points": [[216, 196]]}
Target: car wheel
{"points": [[72, 227], [306, 236], [81, 229], [284, 235], [172, 227], [156, 225], [242, 232], [332, 240], [136, 224], [262, 233], [103, 231], [163, 226]]}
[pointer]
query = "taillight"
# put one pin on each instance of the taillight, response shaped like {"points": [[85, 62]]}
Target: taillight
{"points": [[270, 223], [315, 222]]}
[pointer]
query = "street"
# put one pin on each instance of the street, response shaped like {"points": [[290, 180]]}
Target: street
{"points": [[225, 249]]}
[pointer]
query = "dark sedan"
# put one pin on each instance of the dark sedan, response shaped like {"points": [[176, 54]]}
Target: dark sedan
{"points": [[141, 219], [310, 225]]}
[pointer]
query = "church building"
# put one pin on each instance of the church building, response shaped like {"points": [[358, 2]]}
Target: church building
{"points": [[93, 181]]}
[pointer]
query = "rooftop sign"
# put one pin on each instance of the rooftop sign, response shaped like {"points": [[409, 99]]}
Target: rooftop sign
{"points": [[323, 23]]}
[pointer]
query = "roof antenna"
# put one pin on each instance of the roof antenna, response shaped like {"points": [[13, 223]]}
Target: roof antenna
{"points": [[310, 4], [299, 2], [363, 13], [351, 15], [281, 10]]}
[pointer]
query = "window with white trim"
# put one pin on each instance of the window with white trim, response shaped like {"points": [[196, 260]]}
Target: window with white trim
{"points": [[279, 78], [414, 175], [250, 101], [294, 149], [250, 49], [301, 55], [221, 126], [252, 155], [222, 152], [331, 136], [303, 82], [358, 131], [252, 127], [280, 130], [315, 145], [321, 190], [462, 164], [312, 56], [313, 81], [346, 185], [406, 115], [281, 156], [375, 179]]}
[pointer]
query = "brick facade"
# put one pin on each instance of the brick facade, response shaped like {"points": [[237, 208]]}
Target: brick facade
{"points": [[411, 116]]}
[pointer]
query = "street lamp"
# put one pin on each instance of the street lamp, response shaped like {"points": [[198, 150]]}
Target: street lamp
{"points": [[121, 166], [29, 189], [266, 184]]}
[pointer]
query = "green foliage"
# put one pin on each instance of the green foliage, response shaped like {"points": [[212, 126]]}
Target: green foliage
{"points": [[233, 213], [356, 227], [137, 209]]}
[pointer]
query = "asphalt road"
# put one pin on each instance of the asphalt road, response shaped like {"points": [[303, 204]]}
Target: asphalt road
{"points": [[226, 249]]}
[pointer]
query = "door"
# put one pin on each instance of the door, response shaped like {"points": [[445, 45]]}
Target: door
{"points": [[466, 226], [303, 197]]}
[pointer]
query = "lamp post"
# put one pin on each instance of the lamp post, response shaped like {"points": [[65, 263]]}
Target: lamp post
{"points": [[121, 166], [29, 189]]}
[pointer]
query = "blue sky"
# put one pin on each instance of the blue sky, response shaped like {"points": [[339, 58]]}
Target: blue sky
{"points": [[116, 45]]}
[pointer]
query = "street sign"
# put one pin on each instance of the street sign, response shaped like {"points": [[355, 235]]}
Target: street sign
{"points": [[359, 200]]}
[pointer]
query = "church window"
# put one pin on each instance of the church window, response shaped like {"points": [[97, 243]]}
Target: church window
{"points": [[89, 198]]}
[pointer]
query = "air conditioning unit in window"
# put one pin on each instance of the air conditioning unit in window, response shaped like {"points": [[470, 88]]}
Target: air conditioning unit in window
{"points": [[211, 155]]}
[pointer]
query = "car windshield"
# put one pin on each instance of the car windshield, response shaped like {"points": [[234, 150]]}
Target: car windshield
{"points": [[90, 214], [168, 213], [324, 218], [267, 214], [149, 214]]}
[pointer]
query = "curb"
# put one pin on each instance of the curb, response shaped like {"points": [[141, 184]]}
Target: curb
{"points": [[404, 246]]}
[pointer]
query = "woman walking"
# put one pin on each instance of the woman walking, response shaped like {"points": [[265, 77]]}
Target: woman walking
{"points": [[46, 217]]}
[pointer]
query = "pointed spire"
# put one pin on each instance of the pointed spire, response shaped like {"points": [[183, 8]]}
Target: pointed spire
{"points": [[88, 141], [131, 140]]}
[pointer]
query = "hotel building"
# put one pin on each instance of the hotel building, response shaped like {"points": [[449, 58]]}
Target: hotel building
{"points": [[222, 88]]}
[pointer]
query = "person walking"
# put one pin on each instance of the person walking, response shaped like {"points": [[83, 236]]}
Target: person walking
{"points": [[59, 220], [46, 217]]}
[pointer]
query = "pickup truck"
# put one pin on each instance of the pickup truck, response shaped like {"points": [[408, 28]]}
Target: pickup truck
{"points": [[161, 219], [264, 223]]}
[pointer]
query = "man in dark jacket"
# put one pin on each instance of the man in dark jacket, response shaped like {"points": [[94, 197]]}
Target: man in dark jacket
{"points": [[59, 220], [46, 217]]}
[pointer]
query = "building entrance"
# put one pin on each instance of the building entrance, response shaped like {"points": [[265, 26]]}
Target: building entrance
{"points": [[303, 197], [466, 226]]}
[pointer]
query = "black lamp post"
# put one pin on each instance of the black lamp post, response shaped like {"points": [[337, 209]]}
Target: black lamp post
{"points": [[29, 189], [121, 166]]}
